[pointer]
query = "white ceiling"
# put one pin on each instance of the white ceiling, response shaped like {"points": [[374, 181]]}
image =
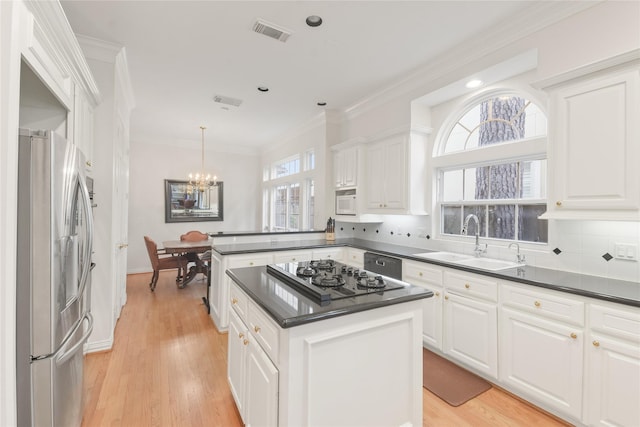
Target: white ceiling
{"points": [[182, 53]]}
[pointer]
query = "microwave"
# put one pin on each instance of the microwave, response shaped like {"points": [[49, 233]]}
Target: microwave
{"points": [[346, 202]]}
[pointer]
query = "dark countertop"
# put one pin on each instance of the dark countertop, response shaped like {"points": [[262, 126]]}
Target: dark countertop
{"points": [[257, 233], [618, 291], [289, 308]]}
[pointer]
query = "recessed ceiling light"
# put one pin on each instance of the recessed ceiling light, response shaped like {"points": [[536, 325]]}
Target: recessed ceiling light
{"points": [[314, 21], [321, 104], [263, 89], [471, 84]]}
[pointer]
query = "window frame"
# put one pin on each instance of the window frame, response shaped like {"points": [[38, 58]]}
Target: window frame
{"points": [[533, 148]]}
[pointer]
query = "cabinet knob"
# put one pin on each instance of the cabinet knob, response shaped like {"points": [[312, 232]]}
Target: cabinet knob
{"points": [[293, 259], [420, 274], [437, 294], [240, 335], [558, 203], [596, 343], [245, 342], [573, 335], [537, 303], [446, 297], [466, 285], [251, 263], [380, 204], [234, 301], [88, 163], [257, 329]]}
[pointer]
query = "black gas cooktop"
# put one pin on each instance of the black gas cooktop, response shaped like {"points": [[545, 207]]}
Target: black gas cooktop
{"points": [[327, 280]]}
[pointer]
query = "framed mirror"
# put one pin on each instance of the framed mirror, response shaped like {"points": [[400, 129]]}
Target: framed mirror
{"points": [[182, 205]]}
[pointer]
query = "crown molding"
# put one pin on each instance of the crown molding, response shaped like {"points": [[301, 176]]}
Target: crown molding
{"points": [[447, 66], [64, 45]]}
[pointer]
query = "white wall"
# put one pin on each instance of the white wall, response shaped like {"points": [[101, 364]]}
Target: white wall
{"points": [[151, 164]]}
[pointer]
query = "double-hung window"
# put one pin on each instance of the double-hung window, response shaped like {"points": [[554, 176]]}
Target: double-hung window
{"points": [[491, 162], [288, 193]]}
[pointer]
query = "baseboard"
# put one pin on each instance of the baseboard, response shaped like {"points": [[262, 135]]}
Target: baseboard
{"points": [[94, 347]]}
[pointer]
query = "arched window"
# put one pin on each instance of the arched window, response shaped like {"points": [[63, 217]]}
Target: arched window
{"points": [[491, 162]]}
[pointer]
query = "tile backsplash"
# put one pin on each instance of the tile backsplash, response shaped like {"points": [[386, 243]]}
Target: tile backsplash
{"points": [[586, 247]]}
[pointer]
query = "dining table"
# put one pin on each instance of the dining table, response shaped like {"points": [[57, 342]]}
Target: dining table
{"points": [[183, 247]]}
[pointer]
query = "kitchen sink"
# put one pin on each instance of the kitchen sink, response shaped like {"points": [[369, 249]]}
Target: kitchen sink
{"points": [[443, 256], [488, 264]]}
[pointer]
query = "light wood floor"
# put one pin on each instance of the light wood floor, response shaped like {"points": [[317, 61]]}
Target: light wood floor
{"points": [[168, 368]]}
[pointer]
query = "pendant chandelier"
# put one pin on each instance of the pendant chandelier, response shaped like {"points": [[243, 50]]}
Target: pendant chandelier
{"points": [[201, 181]]}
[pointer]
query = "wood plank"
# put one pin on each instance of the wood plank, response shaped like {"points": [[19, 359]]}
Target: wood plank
{"points": [[168, 367]]}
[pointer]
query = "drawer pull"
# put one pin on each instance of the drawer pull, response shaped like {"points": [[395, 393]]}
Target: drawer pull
{"points": [[293, 259], [257, 329], [466, 285], [234, 300], [558, 203], [596, 343], [240, 335], [245, 342], [420, 274], [573, 335], [537, 303]]}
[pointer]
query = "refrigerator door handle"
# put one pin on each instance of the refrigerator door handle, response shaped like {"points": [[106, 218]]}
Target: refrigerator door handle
{"points": [[63, 357], [86, 268]]}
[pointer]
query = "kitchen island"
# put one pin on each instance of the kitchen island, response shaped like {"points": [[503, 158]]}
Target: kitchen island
{"points": [[295, 361]]}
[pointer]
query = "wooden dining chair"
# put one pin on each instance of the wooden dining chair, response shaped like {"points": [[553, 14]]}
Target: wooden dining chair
{"points": [[164, 263], [195, 236]]}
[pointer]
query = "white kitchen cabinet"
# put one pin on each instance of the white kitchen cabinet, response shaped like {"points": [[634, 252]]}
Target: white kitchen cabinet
{"points": [[292, 256], [613, 361], [345, 167], [471, 322], [428, 277], [220, 282], [252, 376], [83, 125], [594, 142], [355, 257], [396, 175]]}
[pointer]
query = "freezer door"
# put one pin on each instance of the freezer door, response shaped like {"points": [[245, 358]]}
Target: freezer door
{"points": [[58, 380]]}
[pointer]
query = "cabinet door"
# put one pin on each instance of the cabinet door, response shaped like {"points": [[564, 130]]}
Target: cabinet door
{"points": [[396, 175], [613, 389], [432, 317], [470, 333], [261, 388], [542, 359], [338, 168], [594, 146], [345, 167], [237, 350], [375, 173]]}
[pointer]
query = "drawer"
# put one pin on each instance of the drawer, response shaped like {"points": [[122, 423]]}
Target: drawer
{"points": [[421, 272], [544, 304], [355, 257], [328, 253], [291, 256], [264, 331], [239, 261], [239, 301], [616, 322], [470, 285]]}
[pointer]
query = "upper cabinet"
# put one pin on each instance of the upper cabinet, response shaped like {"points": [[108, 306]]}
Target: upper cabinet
{"points": [[83, 116], [594, 141], [396, 170], [345, 167]]}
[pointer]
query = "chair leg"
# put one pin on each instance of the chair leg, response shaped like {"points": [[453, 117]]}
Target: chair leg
{"points": [[154, 280]]}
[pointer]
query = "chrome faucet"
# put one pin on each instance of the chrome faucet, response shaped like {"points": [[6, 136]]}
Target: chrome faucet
{"points": [[520, 257], [478, 249]]}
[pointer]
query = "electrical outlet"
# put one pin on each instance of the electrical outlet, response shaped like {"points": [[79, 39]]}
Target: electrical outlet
{"points": [[628, 251]]}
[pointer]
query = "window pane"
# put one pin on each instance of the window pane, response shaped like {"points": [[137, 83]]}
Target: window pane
{"points": [[294, 207], [280, 207], [451, 219], [476, 183], [502, 221], [480, 212], [532, 229], [533, 179], [310, 203], [503, 181], [452, 185], [536, 122]]}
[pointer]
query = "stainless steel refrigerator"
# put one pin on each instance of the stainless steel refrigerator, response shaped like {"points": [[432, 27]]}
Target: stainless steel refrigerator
{"points": [[55, 230]]}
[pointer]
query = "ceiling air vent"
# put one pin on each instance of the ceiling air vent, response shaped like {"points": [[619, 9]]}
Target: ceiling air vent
{"points": [[227, 100], [271, 30]]}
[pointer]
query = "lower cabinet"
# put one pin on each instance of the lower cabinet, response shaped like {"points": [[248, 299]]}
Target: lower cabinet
{"points": [[471, 321], [613, 355], [420, 274], [252, 376]]}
